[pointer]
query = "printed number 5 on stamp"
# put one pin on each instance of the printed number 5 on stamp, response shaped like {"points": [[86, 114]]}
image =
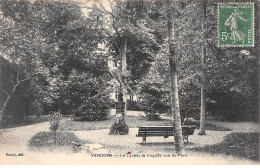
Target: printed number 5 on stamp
{"points": [[236, 24]]}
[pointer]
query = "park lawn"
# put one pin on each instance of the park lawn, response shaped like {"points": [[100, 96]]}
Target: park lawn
{"points": [[132, 122], [27, 121], [243, 145], [208, 126]]}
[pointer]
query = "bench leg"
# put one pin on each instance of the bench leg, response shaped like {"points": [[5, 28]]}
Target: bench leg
{"points": [[187, 138], [144, 139]]}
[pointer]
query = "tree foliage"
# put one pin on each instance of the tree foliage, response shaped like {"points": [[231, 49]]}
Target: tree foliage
{"points": [[50, 41], [128, 20], [230, 72]]}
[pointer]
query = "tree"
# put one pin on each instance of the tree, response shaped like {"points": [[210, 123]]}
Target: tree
{"points": [[118, 12], [10, 87], [221, 66], [230, 76], [203, 52], [129, 39], [87, 95], [174, 80], [10, 31], [48, 41]]}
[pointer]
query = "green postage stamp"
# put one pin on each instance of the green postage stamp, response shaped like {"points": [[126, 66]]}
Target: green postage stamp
{"points": [[236, 24]]}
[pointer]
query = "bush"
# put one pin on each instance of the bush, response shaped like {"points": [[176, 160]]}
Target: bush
{"points": [[228, 106], [133, 106], [153, 99], [87, 96], [189, 95], [92, 110], [119, 127], [54, 120], [90, 115], [152, 117], [47, 140], [156, 100]]}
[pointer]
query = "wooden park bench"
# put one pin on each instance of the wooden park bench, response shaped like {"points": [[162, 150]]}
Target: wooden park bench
{"points": [[164, 131]]}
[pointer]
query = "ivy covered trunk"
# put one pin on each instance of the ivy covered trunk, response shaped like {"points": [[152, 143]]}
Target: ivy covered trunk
{"points": [[120, 127], [175, 108]]}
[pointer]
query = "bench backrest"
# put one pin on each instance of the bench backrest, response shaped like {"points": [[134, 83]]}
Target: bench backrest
{"points": [[164, 130]]}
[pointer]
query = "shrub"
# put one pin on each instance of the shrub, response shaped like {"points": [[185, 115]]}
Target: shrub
{"points": [[47, 140], [133, 106], [90, 114], [87, 96], [119, 127], [227, 106], [54, 120], [152, 117], [153, 100], [92, 109]]}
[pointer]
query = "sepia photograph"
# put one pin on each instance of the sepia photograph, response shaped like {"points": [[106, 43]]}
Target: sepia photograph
{"points": [[129, 82]]}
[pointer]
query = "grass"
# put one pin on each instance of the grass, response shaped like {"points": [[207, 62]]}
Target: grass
{"points": [[28, 121], [243, 145], [132, 122], [208, 126], [62, 140]]}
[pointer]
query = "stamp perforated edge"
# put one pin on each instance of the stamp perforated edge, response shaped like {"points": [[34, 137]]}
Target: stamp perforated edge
{"points": [[253, 20]]}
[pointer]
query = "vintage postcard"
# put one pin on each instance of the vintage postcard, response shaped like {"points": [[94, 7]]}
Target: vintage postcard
{"points": [[130, 82]]}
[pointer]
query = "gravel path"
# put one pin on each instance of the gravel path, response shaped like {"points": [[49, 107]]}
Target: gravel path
{"points": [[15, 140], [157, 148], [102, 137]]}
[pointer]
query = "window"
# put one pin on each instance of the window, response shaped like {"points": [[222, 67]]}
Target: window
{"points": [[131, 96], [116, 94], [101, 45], [115, 63]]}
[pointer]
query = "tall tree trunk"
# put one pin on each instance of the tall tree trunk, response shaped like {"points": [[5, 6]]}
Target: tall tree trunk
{"points": [[124, 58], [121, 99], [124, 72], [203, 53], [258, 51], [175, 109]]}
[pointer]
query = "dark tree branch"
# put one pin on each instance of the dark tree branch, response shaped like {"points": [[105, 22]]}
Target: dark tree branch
{"points": [[108, 12], [5, 92], [107, 32], [25, 79], [114, 26]]}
